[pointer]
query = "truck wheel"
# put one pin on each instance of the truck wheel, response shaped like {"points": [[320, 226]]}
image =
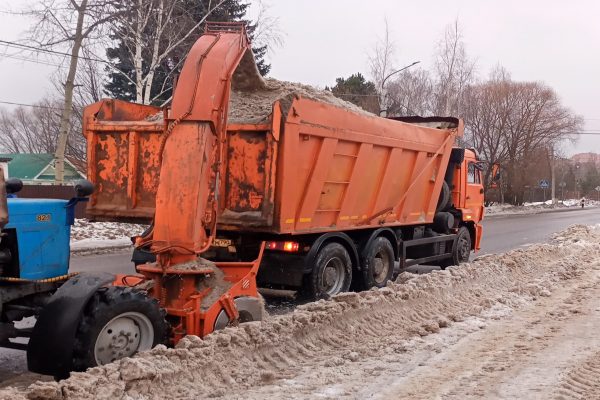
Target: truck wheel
{"points": [[332, 272], [249, 309], [444, 199], [378, 264], [118, 322], [462, 251]]}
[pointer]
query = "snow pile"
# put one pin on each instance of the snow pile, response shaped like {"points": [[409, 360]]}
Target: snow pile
{"points": [[325, 336], [84, 229], [90, 237], [537, 207], [256, 106]]}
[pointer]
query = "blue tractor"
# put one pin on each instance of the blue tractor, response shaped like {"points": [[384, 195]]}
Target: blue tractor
{"points": [[81, 320]]}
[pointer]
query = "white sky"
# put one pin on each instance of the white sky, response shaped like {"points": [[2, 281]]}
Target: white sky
{"points": [[553, 41]]}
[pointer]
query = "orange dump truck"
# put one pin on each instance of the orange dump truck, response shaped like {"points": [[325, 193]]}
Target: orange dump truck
{"points": [[338, 196]]}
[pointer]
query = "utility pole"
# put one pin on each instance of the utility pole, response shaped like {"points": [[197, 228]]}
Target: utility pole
{"points": [[552, 178]]}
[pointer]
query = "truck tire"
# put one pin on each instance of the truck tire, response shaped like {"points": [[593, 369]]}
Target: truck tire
{"points": [[331, 274], [462, 251], [444, 200], [378, 263], [249, 309], [118, 322]]}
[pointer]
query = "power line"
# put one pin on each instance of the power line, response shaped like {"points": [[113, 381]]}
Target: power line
{"points": [[60, 53], [32, 60], [43, 50], [30, 105]]}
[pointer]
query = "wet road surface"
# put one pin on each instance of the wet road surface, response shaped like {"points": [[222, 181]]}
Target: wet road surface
{"points": [[500, 234]]}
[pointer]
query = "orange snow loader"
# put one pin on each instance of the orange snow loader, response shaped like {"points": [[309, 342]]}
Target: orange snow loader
{"points": [[312, 195]]}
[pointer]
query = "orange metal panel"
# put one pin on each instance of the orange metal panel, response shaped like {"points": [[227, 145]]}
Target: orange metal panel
{"points": [[399, 184], [349, 208], [313, 190], [327, 169]]}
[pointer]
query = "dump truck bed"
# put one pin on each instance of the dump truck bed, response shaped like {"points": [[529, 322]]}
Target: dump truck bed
{"points": [[309, 167]]}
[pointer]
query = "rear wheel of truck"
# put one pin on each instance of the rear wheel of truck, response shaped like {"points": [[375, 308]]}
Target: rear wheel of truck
{"points": [[462, 251], [378, 264], [118, 322], [332, 273]]}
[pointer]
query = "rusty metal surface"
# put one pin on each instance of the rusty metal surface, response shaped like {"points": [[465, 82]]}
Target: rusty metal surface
{"points": [[122, 159], [329, 169]]}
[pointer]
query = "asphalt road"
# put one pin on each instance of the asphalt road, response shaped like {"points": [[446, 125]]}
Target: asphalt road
{"points": [[503, 233], [500, 234]]}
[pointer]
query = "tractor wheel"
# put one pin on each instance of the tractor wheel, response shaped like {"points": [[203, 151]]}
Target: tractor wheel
{"points": [[378, 264], [331, 274], [118, 322], [462, 251]]}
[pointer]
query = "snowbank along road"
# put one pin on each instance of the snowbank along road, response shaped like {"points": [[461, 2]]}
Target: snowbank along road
{"points": [[519, 325]]}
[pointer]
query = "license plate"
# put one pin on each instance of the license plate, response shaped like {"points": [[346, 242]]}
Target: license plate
{"points": [[222, 243]]}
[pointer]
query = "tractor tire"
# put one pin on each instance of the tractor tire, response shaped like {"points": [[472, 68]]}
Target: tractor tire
{"points": [[378, 263], [462, 251], [118, 322], [444, 200], [331, 274]]}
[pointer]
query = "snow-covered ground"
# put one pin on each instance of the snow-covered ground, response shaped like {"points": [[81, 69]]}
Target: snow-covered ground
{"points": [[536, 207], [89, 236], [519, 325]]}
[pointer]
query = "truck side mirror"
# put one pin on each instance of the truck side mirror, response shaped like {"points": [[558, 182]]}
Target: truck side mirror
{"points": [[13, 185], [84, 188]]}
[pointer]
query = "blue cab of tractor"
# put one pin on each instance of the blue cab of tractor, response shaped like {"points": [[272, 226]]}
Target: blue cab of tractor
{"points": [[35, 242]]}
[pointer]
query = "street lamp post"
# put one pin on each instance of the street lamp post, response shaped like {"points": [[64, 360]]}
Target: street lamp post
{"points": [[383, 113]]}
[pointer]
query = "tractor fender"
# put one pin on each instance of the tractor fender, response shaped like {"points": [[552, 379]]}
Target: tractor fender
{"points": [[50, 349]]}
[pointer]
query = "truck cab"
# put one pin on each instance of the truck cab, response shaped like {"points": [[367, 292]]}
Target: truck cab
{"points": [[467, 192]]}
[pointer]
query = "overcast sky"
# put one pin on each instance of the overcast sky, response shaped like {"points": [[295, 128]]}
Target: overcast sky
{"points": [[556, 42]]}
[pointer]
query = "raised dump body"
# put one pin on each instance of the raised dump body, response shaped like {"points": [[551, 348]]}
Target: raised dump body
{"points": [[309, 167]]}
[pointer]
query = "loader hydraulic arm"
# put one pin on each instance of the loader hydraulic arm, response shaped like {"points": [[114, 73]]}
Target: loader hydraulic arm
{"points": [[192, 146]]}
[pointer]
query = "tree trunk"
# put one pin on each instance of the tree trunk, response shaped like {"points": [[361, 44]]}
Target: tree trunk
{"points": [[137, 62], [63, 133], [155, 55]]}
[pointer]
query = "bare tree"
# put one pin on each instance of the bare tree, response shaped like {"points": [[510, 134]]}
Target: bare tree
{"points": [[454, 71], [411, 93], [35, 130], [268, 30], [151, 31], [515, 124], [69, 24], [381, 64]]}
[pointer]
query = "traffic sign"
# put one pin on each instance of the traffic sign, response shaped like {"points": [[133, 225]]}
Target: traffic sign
{"points": [[597, 188], [544, 184], [562, 184]]}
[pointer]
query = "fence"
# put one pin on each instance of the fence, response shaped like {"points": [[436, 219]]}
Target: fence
{"points": [[64, 192]]}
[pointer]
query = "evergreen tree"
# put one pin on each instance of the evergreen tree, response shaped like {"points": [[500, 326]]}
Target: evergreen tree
{"points": [[356, 89], [188, 12]]}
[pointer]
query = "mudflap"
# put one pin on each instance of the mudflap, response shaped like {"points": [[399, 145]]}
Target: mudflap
{"points": [[50, 349]]}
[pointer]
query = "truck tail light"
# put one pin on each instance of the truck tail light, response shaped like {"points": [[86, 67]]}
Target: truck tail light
{"points": [[290, 247]]}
